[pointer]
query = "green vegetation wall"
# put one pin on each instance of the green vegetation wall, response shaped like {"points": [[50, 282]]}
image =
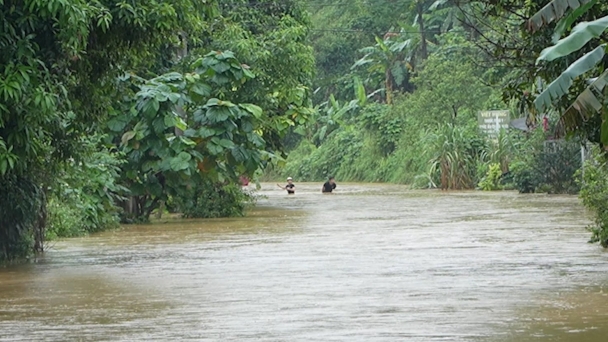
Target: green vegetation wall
{"points": [[111, 108]]}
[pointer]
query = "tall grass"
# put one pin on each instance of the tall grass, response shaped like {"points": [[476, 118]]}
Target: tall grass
{"points": [[457, 151]]}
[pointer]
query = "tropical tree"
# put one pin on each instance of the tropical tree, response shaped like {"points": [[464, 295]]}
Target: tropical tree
{"points": [[392, 57], [58, 62], [271, 38], [183, 126]]}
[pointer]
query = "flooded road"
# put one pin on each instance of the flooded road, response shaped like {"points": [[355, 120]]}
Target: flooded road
{"points": [[369, 263]]}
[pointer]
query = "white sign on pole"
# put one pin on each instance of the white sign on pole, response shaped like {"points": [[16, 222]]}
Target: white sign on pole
{"points": [[492, 121]]}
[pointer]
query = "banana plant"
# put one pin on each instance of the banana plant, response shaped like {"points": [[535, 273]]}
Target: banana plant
{"points": [[393, 57], [592, 100], [330, 116]]}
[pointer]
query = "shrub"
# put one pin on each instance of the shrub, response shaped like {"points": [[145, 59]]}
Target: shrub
{"points": [[492, 179], [524, 177], [546, 165], [83, 199], [210, 200], [336, 156], [21, 218], [457, 151], [556, 164], [594, 195], [64, 220]]}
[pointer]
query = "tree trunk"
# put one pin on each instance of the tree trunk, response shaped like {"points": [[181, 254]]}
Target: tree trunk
{"points": [[388, 86], [40, 224], [161, 208], [423, 43]]}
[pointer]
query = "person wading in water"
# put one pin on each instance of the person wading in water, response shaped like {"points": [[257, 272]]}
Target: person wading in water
{"points": [[290, 187], [329, 186]]}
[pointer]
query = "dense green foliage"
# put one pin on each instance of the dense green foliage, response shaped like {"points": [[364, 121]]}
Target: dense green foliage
{"points": [[109, 108], [594, 193], [183, 124], [22, 218], [546, 166], [558, 48], [207, 199], [422, 138], [399, 94], [83, 199], [58, 60]]}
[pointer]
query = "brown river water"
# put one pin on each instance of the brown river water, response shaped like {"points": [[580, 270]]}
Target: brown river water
{"points": [[368, 263]]}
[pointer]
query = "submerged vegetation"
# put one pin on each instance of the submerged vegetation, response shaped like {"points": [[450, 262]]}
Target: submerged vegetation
{"points": [[113, 110]]}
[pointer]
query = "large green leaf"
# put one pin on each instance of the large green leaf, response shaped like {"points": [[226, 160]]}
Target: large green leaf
{"points": [[218, 113], [553, 11], [214, 147], [581, 34], [566, 22], [400, 46], [399, 72], [118, 123], [363, 61], [588, 103], [256, 111], [560, 86], [181, 161], [360, 91]]}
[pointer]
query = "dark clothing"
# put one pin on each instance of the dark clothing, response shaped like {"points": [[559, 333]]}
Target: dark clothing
{"points": [[289, 188], [328, 187]]}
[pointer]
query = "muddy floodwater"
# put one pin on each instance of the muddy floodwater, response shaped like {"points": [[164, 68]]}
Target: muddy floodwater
{"points": [[368, 263]]}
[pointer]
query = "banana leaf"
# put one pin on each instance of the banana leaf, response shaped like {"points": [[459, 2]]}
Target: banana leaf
{"points": [[553, 11], [566, 22], [587, 104], [581, 34], [560, 86]]}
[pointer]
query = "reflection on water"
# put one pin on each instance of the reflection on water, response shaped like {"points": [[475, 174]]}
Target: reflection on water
{"points": [[368, 263]]}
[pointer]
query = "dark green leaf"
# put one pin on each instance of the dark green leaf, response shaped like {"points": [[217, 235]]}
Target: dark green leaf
{"points": [[218, 113], [201, 89], [118, 123], [150, 107], [221, 67], [226, 143], [181, 161], [240, 154], [256, 111], [214, 148], [205, 132]]}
